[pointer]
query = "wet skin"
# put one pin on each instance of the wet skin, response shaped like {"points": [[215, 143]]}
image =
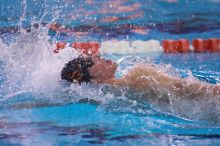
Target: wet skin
{"points": [[103, 70]]}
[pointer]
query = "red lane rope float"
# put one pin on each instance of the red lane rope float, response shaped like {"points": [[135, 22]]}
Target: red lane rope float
{"points": [[209, 45], [88, 48], [176, 46], [168, 46], [198, 45], [54, 27], [59, 46], [182, 45], [212, 45]]}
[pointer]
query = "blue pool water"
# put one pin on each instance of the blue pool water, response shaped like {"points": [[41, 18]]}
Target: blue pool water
{"points": [[36, 108]]}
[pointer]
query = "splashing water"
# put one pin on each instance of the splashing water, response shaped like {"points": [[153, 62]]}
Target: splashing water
{"points": [[29, 64], [31, 90], [30, 67]]}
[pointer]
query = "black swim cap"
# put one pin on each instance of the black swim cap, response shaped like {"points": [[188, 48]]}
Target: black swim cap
{"points": [[77, 70]]}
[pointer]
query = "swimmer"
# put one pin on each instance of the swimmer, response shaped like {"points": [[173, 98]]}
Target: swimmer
{"points": [[141, 77]]}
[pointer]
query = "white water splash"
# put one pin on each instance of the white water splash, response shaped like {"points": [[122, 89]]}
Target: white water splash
{"points": [[30, 64]]}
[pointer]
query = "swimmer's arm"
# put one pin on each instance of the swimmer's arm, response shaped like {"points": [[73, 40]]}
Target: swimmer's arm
{"points": [[147, 77], [142, 77]]}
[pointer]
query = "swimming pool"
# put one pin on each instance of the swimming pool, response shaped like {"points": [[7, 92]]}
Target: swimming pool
{"points": [[38, 109]]}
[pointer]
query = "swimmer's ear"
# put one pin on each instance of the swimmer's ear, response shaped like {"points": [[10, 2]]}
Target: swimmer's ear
{"points": [[75, 76]]}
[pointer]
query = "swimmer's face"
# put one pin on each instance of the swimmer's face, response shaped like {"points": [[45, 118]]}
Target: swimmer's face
{"points": [[102, 69]]}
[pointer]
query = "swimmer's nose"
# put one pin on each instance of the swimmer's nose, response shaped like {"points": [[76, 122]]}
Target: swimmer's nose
{"points": [[115, 64], [112, 63]]}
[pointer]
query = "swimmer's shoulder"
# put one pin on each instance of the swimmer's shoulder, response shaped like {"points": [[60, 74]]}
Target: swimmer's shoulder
{"points": [[141, 76]]}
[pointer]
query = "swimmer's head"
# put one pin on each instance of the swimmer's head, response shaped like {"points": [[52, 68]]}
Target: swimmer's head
{"points": [[88, 69], [77, 70]]}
